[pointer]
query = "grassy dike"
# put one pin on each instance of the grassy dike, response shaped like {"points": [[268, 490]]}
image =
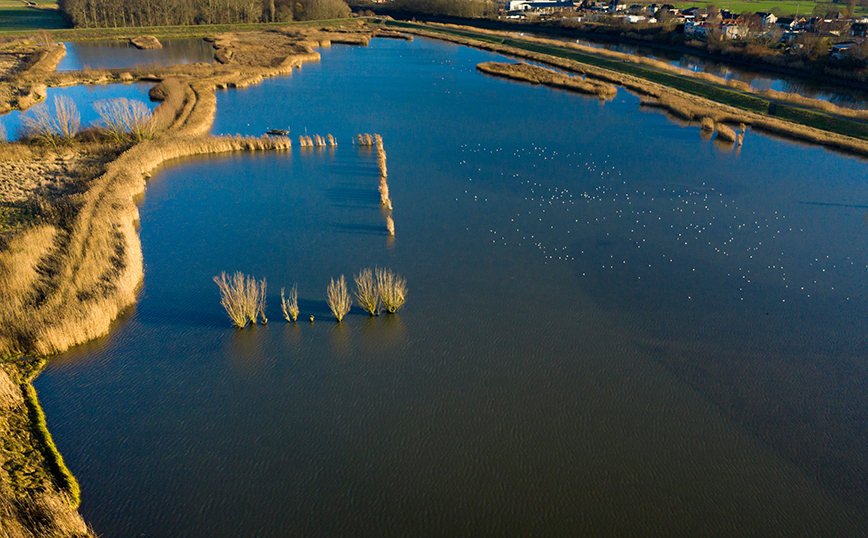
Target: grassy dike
{"points": [[63, 282], [198, 30], [689, 95]]}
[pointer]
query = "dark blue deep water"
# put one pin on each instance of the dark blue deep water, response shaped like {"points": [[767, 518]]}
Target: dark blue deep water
{"points": [[614, 327]]}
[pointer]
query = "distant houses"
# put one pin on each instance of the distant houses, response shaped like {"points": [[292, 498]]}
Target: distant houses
{"points": [[696, 22], [542, 6]]}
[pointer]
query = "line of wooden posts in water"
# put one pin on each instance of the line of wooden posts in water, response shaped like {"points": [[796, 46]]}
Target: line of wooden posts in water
{"points": [[385, 202]]}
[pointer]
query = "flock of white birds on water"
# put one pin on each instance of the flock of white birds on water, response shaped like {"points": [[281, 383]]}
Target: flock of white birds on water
{"points": [[582, 209]]}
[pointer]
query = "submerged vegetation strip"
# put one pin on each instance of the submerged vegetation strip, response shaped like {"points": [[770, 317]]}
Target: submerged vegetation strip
{"points": [[690, 97]]}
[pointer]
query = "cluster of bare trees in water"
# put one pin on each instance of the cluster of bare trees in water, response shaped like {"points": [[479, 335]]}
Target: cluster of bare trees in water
{"points": [[243, 297], [123, 13]]}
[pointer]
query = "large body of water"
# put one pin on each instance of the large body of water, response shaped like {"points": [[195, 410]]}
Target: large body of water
{"points": [[614, 327]]}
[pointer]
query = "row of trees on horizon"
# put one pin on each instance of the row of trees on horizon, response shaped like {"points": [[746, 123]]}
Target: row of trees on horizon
{"points": [[123, 13]]}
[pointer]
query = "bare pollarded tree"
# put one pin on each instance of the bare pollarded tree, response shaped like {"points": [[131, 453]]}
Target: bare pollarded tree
{"points": [[289, 305], [339, 298], [53, 127], [242, 297], [367, 292], [393, 289], [123, 118]]}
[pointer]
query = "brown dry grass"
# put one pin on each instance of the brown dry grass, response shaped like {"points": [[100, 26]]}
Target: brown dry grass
{"points": [[548, 77], [20, 269], [724, 132], [146, 42]]}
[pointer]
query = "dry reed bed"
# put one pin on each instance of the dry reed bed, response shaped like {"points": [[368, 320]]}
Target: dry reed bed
{"points": [[681, 104], [547, 77], [383, 188], [49, 60], [724, 132], [96, 266]]}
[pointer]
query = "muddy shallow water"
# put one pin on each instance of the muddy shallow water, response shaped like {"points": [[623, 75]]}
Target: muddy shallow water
{"points": [[614, 327]]}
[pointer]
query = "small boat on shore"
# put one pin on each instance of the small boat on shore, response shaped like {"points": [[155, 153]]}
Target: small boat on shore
{"points": [[277, 132]]}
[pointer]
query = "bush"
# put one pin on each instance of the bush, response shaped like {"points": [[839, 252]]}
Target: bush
{"points": [[393, 290], [54, 129], [339, 298], [242, 297], [124, 119], [367, 292], [290, 305]]}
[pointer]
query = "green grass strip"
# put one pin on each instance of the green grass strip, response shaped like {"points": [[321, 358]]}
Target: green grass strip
{"points": [[192, 30], [62, 475], [821, 121]]}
